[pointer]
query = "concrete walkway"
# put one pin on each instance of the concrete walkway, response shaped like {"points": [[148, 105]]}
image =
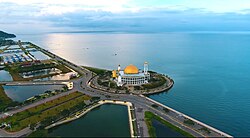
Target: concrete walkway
{"points": [[21, 133]]}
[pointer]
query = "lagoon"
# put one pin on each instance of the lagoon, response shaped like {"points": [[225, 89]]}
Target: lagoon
{"points": [[21, 93]]}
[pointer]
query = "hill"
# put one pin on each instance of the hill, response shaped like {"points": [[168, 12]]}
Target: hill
{"points": [[4, 35]]}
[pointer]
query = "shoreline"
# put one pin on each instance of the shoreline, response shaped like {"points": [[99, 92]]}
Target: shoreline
{"points": [[169, 84], [222, 134], [143, 102]]}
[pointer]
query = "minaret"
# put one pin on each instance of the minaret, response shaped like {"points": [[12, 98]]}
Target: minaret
{"points": [[119, 68], [145, 67]]}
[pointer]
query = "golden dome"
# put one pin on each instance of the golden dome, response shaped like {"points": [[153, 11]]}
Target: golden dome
{"points": [[131, 69]]}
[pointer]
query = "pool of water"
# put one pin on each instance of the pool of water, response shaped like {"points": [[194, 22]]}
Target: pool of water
{"points": [[40, 72], [21, 93], [57, 77], [3, 47], [14, 46], [163, 131], [106, 121], [39, 55], [5, 76]]}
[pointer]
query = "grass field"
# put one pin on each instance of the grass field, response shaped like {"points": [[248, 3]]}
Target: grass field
{"points": [[38, 113], [151, 130]]}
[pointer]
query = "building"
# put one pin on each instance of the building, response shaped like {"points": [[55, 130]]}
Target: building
{"points": [[131, 75]]}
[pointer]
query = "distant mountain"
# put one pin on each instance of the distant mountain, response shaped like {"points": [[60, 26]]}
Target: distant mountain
{"points": [[5, 35]]}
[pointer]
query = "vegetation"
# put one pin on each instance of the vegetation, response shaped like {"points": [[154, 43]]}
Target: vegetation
{"points": [[34, 67], [39, 133], [4, 42], [155, 81], [151, 130], [46, 112], [205, 129], [166, 110], [189, 122], [4, 35], [148, 119], [93, 99], [96, 70], [5, 101], [63, 68], [155, 105], [44, 95], [1, 59], [15, 70]]}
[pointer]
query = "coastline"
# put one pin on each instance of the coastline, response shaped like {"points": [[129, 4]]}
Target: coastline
{"points": [[143, 102]]}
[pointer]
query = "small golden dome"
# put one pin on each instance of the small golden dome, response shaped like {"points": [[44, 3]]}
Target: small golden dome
{"points": [[131, 69]]}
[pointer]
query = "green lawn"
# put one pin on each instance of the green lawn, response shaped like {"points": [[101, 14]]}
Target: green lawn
{"points": [[50, 109], [151, 130], [154, 83]]}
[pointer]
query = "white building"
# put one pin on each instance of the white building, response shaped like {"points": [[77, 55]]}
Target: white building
{"points": [[131, 75]]}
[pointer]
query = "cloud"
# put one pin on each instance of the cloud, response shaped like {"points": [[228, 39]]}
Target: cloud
{"points": [[117, 15], [60, 7]]}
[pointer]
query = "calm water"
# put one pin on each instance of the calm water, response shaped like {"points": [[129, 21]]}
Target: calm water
{"points": [[211, 71], [163, 131], [5, 76], [65, 76], [39, 55], [106, 121], [21, 93]]}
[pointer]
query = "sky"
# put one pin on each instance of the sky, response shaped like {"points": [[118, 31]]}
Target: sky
{"points": [[124, 15]]}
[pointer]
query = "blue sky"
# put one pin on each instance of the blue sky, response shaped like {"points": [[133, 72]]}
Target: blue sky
{"points": [[124, 15]]}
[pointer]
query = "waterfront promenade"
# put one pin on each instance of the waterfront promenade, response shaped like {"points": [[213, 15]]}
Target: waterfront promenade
{"points": [[140, 104]]}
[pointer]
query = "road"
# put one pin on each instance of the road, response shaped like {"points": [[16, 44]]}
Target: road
{"points": [[20, 83], [141, 103]]}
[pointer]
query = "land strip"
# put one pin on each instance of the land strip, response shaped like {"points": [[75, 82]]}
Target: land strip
{"points": [[38, 113]]}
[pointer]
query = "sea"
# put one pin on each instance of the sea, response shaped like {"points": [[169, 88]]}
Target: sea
{"points": [[211, 70]]}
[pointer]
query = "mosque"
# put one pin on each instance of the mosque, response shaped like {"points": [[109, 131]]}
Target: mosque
{"points": [[131, 75]]}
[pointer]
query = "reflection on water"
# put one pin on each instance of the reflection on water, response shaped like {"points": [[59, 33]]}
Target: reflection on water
{"points": [[106, 121], [66, 76], [164, 131], [21, 93], [39, 55], [5, 76], [40, 72], [211, 71]]}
